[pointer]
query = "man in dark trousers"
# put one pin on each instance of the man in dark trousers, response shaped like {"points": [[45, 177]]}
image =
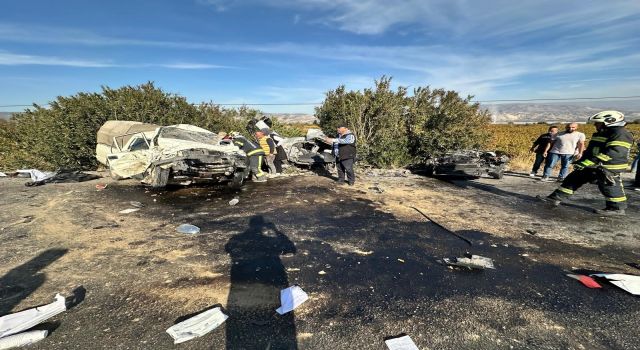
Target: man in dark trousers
{"points": [[605, 158], [344, 148], [540, 148]]}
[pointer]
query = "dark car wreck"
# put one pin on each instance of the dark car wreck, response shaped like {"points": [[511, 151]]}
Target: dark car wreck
{"points": [[468, 163], [310, 151], [177, 154]]}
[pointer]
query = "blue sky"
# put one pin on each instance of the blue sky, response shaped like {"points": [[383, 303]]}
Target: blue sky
{"points": [[232, 51]]}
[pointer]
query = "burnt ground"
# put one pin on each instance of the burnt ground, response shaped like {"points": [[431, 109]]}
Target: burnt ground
{"points": [[367, 259]]}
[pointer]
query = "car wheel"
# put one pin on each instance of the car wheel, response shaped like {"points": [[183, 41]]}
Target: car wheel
{"points": [[497, 174], [237, 180]]}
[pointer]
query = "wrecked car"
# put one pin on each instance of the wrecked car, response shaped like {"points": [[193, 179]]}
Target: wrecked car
{"points": [[309, 151], [162, 155], [468, 163]]}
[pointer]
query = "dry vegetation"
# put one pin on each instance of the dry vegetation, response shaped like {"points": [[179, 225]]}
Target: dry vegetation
{"points": [[517, 139]]}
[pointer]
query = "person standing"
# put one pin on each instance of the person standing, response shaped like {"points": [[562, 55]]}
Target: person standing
{"points": [[567, 146], [606, 157], [269, 148], [254, 155], [344, 149], [540, 147]]}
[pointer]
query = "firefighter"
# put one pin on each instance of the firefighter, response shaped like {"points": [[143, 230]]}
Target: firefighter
{"points": [[605, 158], [255, 154]]}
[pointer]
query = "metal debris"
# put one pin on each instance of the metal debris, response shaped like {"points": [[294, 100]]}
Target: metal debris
{"points": [[197, 326], [23, 320], [471, 262]]}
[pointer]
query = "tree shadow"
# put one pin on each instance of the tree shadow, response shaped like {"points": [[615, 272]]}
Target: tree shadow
{"points": [[257, 276], [17, 284]]}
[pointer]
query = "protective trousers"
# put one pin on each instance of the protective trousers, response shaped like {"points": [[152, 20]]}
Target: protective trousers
{"points": [[255, 164], [613, 192]]}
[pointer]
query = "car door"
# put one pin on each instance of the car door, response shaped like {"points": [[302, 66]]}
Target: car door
{"points": [[133, 160]]}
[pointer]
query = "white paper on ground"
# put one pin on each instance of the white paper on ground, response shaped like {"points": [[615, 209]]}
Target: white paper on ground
{"points": [[22, 339], [197, 325], [128, 211], [291, 298], [630, 283], [2, 174], [23, 320], [401, 343], [36, 175]]}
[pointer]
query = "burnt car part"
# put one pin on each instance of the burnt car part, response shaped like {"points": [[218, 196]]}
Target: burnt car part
{"points": [[468, 163], [309, 151]]}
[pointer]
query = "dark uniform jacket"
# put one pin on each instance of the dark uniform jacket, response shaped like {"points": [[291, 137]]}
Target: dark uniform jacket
{"points": [[609, 148], [250, 148]]}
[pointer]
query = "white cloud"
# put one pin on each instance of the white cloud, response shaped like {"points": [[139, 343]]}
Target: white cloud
{"points": [[13, 59], [10, 59]]}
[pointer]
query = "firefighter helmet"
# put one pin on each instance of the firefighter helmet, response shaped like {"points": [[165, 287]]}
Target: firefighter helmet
{"points": [[608, 118]]}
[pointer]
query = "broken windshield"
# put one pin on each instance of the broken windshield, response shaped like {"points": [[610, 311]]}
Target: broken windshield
{"points": [[189, 135]]}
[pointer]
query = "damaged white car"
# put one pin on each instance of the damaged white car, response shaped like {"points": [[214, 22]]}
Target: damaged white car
{"points": [[176, 154]]}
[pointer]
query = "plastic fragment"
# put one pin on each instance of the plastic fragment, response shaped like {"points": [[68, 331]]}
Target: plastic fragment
{"points": [[188, 229]]}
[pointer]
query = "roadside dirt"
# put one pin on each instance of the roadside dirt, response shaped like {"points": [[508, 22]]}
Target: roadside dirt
{"points": [[365, 255]]}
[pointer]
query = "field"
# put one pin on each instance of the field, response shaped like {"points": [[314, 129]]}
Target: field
{"points": [[516, 140]]}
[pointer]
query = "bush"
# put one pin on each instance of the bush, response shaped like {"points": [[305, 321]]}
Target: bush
{"points": [[393, 129], [64, 135]]}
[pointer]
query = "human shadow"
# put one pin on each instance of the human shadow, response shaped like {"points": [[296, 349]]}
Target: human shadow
{"points": [[257, 276], [17, 284]]}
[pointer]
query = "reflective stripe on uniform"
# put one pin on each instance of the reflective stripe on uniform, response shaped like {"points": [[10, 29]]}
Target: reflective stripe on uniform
{"points": [[599, 139], [239, 143], [565, 190], [587, 162], [258, 150], [615, 166], [619, 143], [260, 172], [617, 199], [603, 157]]}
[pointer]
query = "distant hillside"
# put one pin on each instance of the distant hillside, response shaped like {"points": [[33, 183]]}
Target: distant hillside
{"points": [[5, 115], [291, 118], [559, 112]]}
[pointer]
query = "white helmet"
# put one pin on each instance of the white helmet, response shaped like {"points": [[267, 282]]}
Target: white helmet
{"points": [[609, 118]]}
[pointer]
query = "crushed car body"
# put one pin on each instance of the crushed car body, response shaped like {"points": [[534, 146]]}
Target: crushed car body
{"points": [[309, 151], [468, 163], [161, 155]]}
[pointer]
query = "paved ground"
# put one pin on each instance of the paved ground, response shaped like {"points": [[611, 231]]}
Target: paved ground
{"points": [[367, 258]]}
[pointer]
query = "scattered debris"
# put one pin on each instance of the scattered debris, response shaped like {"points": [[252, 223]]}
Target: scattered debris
{"points": [[136, 204], [586, 280], [3, 174], [234, 201], [401, 260], [291, 298], [188, 229], [629, 283], [35, 174], [197, 326], [101, 187], [471, 262], [321, 272], [128, 211], [22, 339], [39, 178], [23, 320], [442, 227], [468, 163], [532, 232], [401, 343]]}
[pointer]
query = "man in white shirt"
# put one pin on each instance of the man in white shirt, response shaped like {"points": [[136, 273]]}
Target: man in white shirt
{"points": [[567, 146]]}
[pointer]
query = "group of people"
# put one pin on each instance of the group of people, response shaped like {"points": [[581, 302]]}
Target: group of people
{"points": [[266, 154], [602, 162]]}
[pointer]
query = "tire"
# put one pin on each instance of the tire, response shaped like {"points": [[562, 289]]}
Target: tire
{"points": [[497, 175], [237, 181]]}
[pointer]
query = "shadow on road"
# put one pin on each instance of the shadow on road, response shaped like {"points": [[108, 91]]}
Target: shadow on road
{"points": [[17, 284], [257, 276]]}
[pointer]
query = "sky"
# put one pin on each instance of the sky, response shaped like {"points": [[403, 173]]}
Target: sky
{"points": [[293, 51]]}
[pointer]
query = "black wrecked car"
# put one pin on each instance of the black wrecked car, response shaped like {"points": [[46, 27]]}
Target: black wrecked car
{"points": [[468, 163]]}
